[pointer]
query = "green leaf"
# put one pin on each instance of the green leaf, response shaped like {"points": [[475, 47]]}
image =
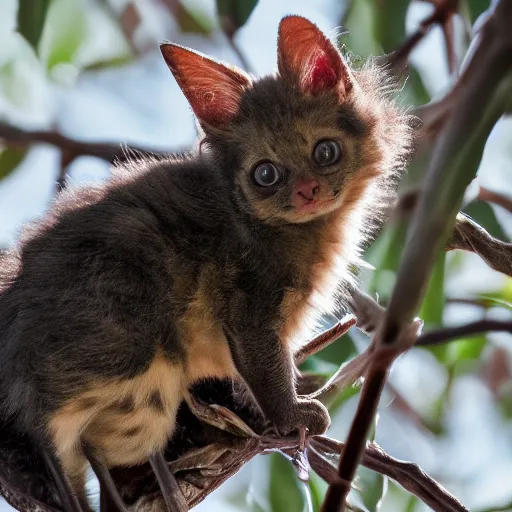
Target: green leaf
{"points": [[339, 351], [194, 21], [389, 23], [10, 158], [318, 488], [384, 254], [359, 20], [285, 493], [66, 33], [466, 349], [341, 398], [233, 14], [114, 62], [373, 487], [477, 7], [414, 91], [411, 504], [31, 19], [431, 311], [482, 212]]}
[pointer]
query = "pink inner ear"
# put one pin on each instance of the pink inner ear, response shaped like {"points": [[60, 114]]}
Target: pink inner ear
{"points": [[307, 58], [322, 74], [213, 90]]}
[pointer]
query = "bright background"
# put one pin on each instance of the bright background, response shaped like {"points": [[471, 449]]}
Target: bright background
{"points": [[87, 80]]}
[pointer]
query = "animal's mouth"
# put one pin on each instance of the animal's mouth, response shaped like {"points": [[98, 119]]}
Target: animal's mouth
{"points": [[314, 206]]}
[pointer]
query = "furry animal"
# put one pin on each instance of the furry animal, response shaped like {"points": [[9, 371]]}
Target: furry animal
{"points": [[209, 265]]}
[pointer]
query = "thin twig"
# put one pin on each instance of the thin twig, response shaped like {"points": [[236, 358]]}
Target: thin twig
{"points": [[443, 12], [241, 57], [490, 196], [449, 41], [130, 21], [324, 339], [463, 331]]}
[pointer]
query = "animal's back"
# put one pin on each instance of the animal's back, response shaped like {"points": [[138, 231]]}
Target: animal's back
{"points": [[91, 301]]}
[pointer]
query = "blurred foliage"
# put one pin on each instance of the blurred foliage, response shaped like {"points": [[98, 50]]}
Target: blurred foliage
{"points": [[10, 158], [285, 492], [194, 21], [234, 14], [475, 7], [370, 488], [31, 19], [65, 37]]}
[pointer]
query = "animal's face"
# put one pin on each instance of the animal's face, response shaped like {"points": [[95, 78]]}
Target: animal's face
{"points": [[297, 145], [296, 154]]}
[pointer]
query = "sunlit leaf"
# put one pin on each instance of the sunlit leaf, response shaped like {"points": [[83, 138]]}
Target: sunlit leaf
{"points": [[285, 493], [31, 19], [234, 14], [65, 34], [10, 158], [466, 349], [411, 505], [13, 85], [194, 21]]}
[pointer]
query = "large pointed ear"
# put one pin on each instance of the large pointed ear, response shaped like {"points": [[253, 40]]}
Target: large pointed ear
{"points": [[309, 60], [213, 90]]}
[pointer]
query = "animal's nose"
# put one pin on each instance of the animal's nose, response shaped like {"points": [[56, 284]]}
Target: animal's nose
{"points": [[307, 189]]}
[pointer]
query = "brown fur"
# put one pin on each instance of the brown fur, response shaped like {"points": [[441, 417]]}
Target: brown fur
{"points": [[119, 419], [183, 269]]}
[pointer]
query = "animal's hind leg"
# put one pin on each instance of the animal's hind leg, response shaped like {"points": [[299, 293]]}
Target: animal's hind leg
{"points": [[69, 477], [173, 497], [109, 495]]}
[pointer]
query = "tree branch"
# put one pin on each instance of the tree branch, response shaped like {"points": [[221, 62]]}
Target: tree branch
{"points": [[472, 329], [451, 169], [467, 235], [110, 152], [409, 475], [443, 12]]}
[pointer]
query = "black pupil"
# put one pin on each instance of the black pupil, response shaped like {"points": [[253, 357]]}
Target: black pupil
{"points": [[324, 152], [266, 174]]}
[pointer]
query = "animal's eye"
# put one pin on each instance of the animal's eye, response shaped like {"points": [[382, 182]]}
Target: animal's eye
{"points": [[326, 152], [266, 174]]}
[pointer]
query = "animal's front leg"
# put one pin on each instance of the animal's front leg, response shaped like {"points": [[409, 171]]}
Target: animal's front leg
{"points": [[267, 368]]}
